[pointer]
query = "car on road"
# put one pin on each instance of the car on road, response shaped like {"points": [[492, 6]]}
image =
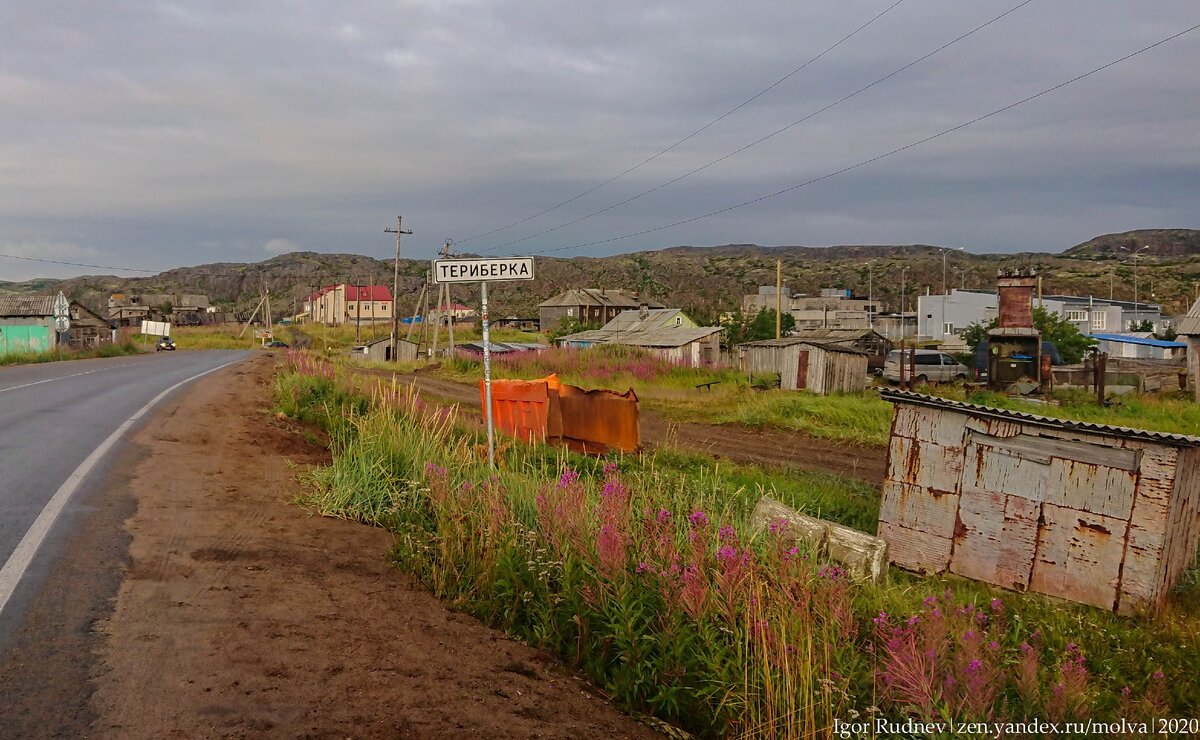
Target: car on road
{"points": [[164, 343], [276, 343], [929, 366]]}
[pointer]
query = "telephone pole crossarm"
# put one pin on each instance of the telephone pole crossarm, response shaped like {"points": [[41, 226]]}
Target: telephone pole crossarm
{"points": [[398, 231]]}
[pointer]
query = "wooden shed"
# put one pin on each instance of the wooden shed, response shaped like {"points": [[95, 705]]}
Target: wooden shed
{"points": [[380, 350], [1097, 514], [805, 364]]}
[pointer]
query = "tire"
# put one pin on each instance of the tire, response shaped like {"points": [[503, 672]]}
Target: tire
{"points": [[922, 379], [960, 378]]}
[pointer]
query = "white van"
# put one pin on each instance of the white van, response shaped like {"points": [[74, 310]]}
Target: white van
{"points": [[931, 366]]}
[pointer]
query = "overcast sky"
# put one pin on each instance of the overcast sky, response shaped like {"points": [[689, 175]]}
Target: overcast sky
{"points": [[160, 134]]}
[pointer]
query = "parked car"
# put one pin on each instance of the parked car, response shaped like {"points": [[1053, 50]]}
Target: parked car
{"points": [[164, 343], [276, 343], [931, 366]]}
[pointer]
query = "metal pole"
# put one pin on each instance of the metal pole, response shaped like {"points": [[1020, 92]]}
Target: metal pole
{"points": [[487, 377], [871, 294]]}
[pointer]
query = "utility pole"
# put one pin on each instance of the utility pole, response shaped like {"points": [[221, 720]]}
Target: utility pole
{"points": [[398, 231], [778, 298], [871, 294], [449, 303]]}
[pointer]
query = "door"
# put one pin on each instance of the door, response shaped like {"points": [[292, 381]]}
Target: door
{"points": [[802, 370]]}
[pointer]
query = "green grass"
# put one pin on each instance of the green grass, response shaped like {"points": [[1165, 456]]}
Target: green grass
{"points": [[629, 642], [104, 350]]}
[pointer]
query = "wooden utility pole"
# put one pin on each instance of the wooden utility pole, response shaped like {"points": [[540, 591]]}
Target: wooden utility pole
{"points": [[399, 230], [449, 303], [778, 299]]}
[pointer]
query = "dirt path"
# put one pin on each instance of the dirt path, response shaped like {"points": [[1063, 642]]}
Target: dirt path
{"points": [[732, 442], [243, 616]]}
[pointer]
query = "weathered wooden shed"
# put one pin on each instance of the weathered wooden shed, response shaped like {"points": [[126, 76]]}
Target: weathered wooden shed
{"points": [[380, 350], [805, 364], [1097, 514]]}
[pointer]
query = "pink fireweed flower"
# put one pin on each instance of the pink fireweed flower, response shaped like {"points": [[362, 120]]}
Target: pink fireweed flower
{"points": [[777, 525], [997, 605], [698, 519], [727, 534]]}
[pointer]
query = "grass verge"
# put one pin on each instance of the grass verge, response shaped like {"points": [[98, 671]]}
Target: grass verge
{"points": [[642, 572], [104, 350]]}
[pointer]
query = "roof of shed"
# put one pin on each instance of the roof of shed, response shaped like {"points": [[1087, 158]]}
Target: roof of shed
{"points": [[598, 297], [1190, 324], [793, 341], [1134, 339], [667, 336], [27, 305], [922, 399]]}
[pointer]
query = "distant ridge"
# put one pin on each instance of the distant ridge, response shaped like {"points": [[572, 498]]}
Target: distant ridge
{"points": [[704, 281]]}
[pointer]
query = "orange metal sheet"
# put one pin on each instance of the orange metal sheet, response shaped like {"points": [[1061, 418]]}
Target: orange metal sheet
{"points": [[519, 407], [587, 421]]}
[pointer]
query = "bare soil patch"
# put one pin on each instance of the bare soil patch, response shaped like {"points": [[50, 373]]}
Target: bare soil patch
{"points": [[241, 615]]}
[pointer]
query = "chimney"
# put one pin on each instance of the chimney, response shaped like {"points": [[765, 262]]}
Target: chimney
{"points": [[643, 311], [1016, 298]]}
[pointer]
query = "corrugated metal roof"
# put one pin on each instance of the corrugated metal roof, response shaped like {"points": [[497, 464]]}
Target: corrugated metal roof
{"points": [[597, 297], [668, 336], [26, 305], [792, 341], [1144, 341], [922, 399], [1190, 324]]}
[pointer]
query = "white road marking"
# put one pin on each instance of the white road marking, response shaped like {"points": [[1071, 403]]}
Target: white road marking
{"points": [[22, 556], [72, 375]]}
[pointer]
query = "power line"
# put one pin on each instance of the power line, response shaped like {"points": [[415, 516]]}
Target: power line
{"points": [[692, 135], [877, 157], [773, 134]]}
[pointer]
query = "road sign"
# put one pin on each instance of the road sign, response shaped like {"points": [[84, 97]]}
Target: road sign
{"points": [[62, 307], [62, 323], [483, 270]]}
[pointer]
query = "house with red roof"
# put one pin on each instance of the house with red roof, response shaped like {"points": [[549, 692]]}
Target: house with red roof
{"points": [[346, 303]]}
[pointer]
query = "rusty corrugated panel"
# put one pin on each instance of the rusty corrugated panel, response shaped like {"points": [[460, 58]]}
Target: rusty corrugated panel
{"points": [[1079, 556], [599, 420], [1016, 301], [519, 407]]}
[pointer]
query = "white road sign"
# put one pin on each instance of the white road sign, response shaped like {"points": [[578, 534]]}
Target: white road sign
{"points": [[489, 270], [62, 323], [62, 307]]}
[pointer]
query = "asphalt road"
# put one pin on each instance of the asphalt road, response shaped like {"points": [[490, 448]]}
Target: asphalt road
{"points": [[53, 418]]}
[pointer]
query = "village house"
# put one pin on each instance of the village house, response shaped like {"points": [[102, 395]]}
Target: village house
{"points": [[339, 304], [666, 332], [131, 309], [589, 306], [834, 308], [380, 350], [27, 325], [1141, 345]]}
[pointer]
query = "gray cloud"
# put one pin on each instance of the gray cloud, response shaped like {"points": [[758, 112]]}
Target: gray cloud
{"points": [[157, 134]]}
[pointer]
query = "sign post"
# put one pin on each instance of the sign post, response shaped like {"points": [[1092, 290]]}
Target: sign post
{"points": [[62, 320], [483, 271]]}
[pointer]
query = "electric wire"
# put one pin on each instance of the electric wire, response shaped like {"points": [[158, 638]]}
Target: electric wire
{"points": [[692, 135], [878, 157], [771, 135]]}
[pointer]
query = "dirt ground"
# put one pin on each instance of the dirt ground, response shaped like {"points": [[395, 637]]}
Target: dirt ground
{"points": [[729, 441], [241, 615]]}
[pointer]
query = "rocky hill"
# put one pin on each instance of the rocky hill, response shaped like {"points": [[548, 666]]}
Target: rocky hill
{"points": [[703, 280]]}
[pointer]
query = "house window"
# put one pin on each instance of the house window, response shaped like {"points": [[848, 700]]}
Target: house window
{"points": [[1099, 321], [570, 312], [1077, 314], [947, 328]]}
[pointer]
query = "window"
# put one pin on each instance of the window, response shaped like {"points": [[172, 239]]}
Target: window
{"points": [[947, 328], [1099, 320], [948, 360], [570, 312], [1077, 314], [929, 359]]}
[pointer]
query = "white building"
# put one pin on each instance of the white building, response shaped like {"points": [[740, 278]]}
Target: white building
{"points": [[943, 318]]}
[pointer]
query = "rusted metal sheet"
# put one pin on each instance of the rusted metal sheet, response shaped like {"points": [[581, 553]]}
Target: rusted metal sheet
{"points": [[997, 469], [931, 466], [1016, 301], [1184, 516], [939, 429], [916, 551], [913, 507], [1091, 487], [519, 407], [599, 420], [995, 539], [1079, 556]]}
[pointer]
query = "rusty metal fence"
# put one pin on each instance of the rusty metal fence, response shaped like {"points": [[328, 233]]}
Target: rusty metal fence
{"points": [[589, 421]]}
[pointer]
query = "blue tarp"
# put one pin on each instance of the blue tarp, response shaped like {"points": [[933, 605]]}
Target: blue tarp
{"points": [[1146, 342]]}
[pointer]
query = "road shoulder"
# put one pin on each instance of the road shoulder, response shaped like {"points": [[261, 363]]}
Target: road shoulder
{"points": [[241, 614]]}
